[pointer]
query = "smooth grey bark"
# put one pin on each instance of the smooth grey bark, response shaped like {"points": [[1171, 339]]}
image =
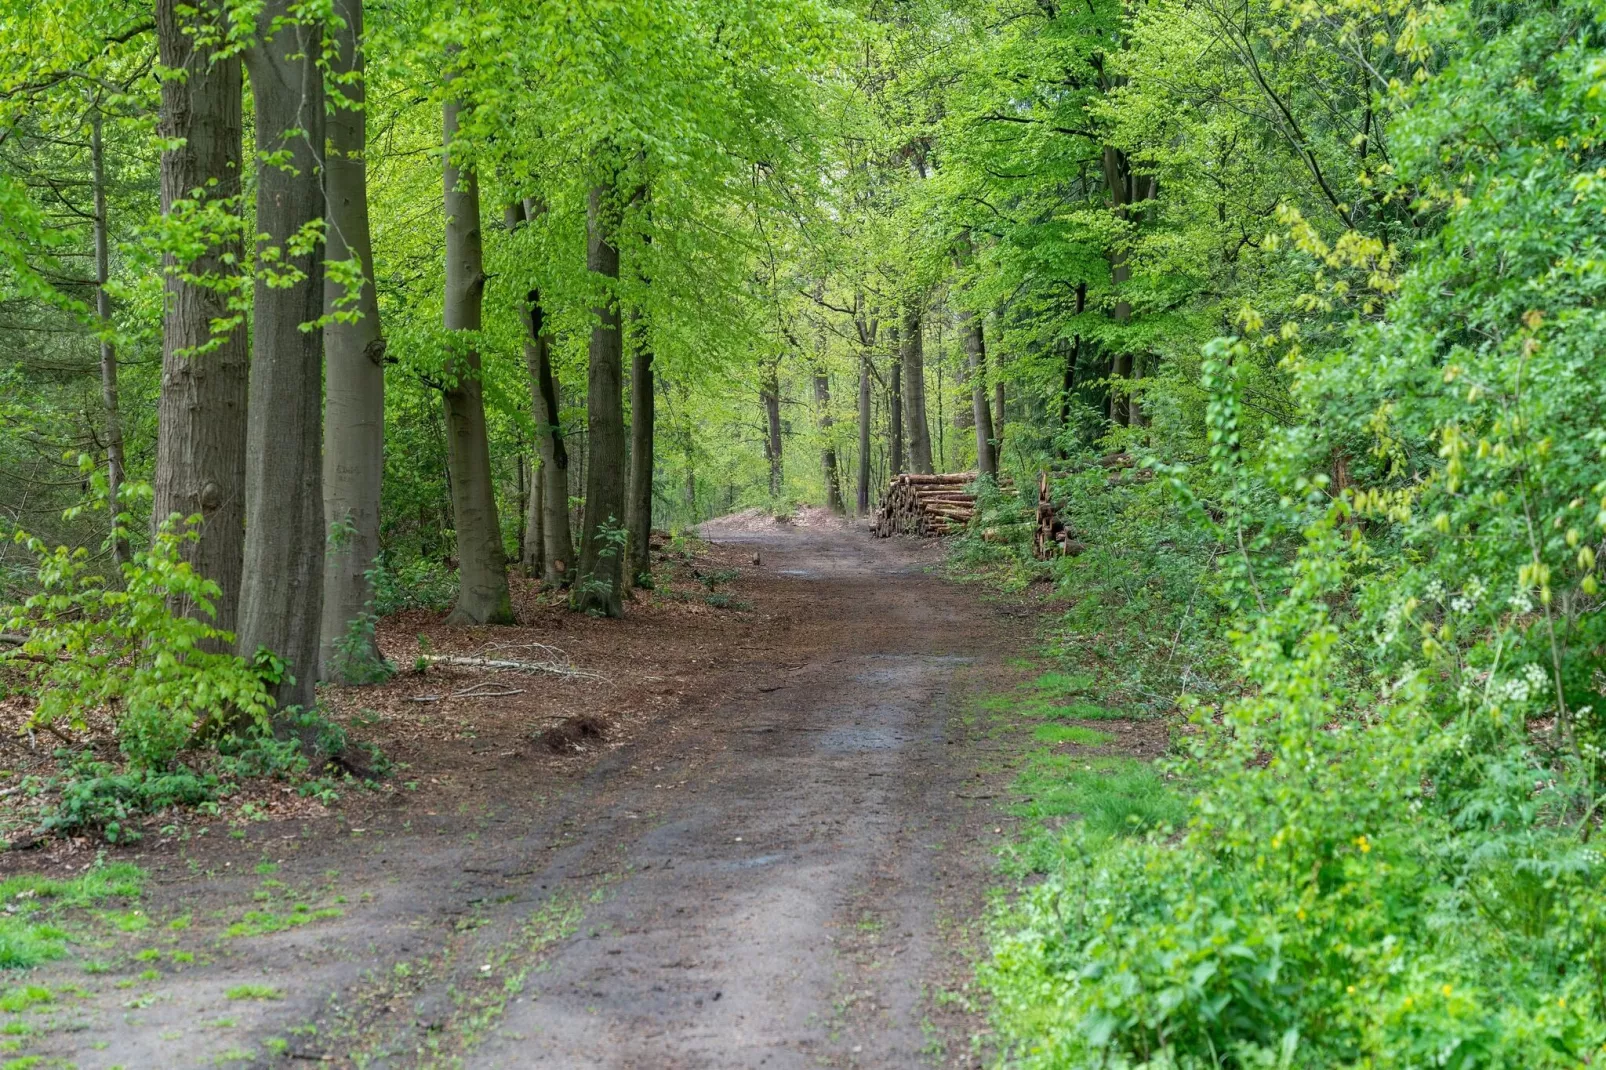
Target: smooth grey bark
{"points": [[599, 587], [532, 546], [482, 593], [862, 501], [998, 413], [201, 417], [972, 335], [108, 351], [354, 377], [914, 390], [557, 552], [281, 597], [828, 465], [769, 393], [638, 501]]}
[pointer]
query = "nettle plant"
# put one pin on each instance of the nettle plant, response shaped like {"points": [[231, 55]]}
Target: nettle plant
{"points": [[132, 650]]}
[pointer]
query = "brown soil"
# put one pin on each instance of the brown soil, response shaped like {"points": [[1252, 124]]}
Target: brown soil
{"points": [[741, 835]]}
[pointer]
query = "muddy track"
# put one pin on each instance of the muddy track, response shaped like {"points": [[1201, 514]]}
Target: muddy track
{"points": [[786, 872]]}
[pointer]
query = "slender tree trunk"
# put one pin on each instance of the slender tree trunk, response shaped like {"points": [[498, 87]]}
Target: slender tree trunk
{"points": [[822, 402], [863, 497], [200, 441], [482, 593], [556, 551], [998, 413], [532, 548], [281, 599], [975, 343], [354, 359], [1127, 190], [108, 351], [638, 504], [1068, 385], [914, 391], [599, 589], [895, 407], [770, 394]]}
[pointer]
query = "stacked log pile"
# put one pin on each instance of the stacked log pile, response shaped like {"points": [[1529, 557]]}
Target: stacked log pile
{"points": [[925, 505], [1053, 535]]}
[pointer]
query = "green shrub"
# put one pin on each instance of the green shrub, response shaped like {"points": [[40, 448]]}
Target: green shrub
{"points": [[92, 645]]}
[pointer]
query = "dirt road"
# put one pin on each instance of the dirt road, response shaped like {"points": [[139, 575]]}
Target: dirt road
{"points": [[785, 868]]}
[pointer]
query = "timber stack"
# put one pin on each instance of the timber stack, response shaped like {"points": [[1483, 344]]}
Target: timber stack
{"points": [[1053, 535], [926, 505]]}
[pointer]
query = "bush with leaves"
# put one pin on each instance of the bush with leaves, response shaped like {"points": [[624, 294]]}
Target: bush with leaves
{"points": [[129, 648], [1391, 861]]}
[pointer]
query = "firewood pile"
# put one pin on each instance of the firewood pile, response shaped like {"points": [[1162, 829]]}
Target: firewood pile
{"points": [[926, 505]]}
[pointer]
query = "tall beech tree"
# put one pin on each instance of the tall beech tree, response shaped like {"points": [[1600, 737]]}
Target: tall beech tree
{"points": [[354, 358], [201, 420], [281, 598], [638, 504], [551, 483], [482, 593], [599, 586], [913, 362]]}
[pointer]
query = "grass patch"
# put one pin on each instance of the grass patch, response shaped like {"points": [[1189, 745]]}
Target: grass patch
{"points": [[18, 999], [1101, 798], [254, 992], [263, 922], [29, 933], [1071, 733]]}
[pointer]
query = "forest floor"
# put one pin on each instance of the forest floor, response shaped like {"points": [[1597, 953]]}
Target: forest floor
{"points": [[777, 852]]}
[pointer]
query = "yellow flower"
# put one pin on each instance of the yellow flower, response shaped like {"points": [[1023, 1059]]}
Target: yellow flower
{"points": [[1363, 843], [1349, 990], [1446, 990]]}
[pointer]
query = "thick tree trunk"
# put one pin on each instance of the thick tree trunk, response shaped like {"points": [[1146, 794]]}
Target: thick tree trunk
{"points": [[975, 342], [638, 503], [914, 391], [200, 440], [482, 594], [354, 371], [281, 599], [1127, 190], [599, 587], [108, 352], [828, 466]]}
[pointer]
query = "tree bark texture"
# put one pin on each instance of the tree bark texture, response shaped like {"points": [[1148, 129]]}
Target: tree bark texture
{"points": [[1068, 385], [532, 547], [1126, 190], [354, 359], [108, 351], [638, 503], [914, 391], [557, 552], [862, 502], [975, 342], [770, 395], [895, 409], [828, 465], [201, 421], [281, 598], [482, 593], [599, 586]]}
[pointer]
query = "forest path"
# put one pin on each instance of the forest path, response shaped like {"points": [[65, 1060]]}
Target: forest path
{"points": [[791, 900], [783, 866]]}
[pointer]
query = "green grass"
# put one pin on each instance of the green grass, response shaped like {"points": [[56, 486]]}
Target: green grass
{"points": [[20, 998], [1071, 733], [30, 935], [254, 992], [262, 922], [1101, 798]]}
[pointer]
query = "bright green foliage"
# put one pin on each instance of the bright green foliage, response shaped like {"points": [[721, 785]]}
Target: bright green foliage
{"points": [[91, 645]]}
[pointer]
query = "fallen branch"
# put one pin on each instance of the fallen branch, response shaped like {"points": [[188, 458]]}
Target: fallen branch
{"points": [[549, 668], [475, 692]]}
